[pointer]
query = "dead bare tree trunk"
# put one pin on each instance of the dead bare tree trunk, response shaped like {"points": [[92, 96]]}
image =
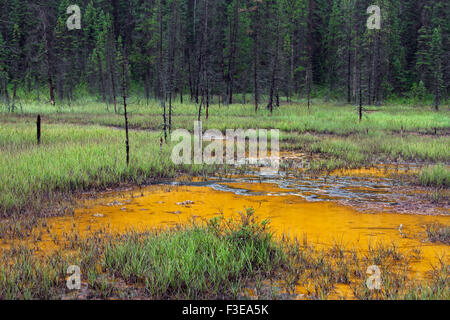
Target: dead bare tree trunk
{"points": [[38, 129], [200, 109], [360, 64], [123, 60], [360, 95], [170, 112], [127, 140], [163, 103], [308, 88], [207, 100]]}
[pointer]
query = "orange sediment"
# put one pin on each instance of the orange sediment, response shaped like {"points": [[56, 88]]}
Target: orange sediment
{"points": [[324, 223]]}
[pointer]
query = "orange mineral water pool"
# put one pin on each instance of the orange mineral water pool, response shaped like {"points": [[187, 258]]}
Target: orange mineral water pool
{"points": [[324, 222], [325, 209]]}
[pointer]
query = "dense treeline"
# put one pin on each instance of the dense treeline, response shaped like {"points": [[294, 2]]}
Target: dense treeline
{"points": [[214, 49]]}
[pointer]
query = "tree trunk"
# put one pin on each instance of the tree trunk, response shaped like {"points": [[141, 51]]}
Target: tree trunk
{"points": [[127, 143], [14, 96], [233, 38], [255, 72], [100, 76], [124, 94], [275, 67], [38, 129], [113, 88], [170, 112], [147, 84], [291, 86], [349, 61], [8, 101], [207, 100], [360, 94], [163, 102], [308, 89], [48, 60]]}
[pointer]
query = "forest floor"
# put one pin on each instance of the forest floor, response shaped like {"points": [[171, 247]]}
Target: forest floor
{"points": [[82, 151]]}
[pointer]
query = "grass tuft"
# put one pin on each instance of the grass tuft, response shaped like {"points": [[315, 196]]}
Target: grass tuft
{"points": [[196, 262], [435, 176], [437, 232]]}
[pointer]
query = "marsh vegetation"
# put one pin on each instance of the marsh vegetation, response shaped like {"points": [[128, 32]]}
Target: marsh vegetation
{"points": [[81, 150], [218, 259], [88, 106]]}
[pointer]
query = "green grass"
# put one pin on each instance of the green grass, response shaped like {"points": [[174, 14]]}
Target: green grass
{"points": [[435, 176], [82, 149], [202, 261], [72, 159], [27, 277], [322, 118], [365, 150], [196, 262]]}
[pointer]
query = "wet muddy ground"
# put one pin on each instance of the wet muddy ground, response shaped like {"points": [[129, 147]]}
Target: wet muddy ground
{"points": [[353, 208], [327, 209]]}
